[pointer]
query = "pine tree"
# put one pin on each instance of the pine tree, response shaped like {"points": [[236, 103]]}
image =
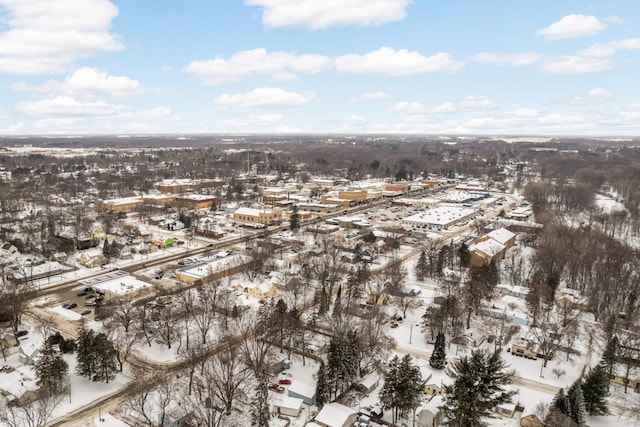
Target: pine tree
{"points": [[422, 267], [595, 389], [578, 411], [322, 386], [106, 249], [609, 357], [86, 354], [464, 255], [105, 359], [388, 393], [562, 403], [478, 385], [439, 356], [51, 368]]}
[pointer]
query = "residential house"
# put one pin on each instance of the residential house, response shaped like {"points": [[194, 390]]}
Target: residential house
{"points": [[491, 247], [27, 354], [430, 414], [304, 391], [290, 406], [262, 290]]}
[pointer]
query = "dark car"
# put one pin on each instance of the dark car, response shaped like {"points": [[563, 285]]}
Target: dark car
{"points": [[21, 334], [277, 388], [66, 305], [90, 296], [72, 306], [82, 293], [85, 312]]}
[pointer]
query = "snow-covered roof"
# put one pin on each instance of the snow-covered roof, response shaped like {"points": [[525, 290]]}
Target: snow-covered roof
{"points": [[489, 247], [289, 402], [501, 235], [302, 389], [334, 414]]}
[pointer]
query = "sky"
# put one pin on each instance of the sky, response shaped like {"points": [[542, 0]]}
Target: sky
{"points": [[486, 67]]}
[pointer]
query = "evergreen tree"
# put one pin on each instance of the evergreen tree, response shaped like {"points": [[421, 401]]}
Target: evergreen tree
{"points": [[464, 255], [576, 399], [610, 355], [51, 368], [595, 389], [477, 387], [85, 355], [402, 387], [322, 386], [562, 403], [439, 356], [105, 367], [422, 267], [337, 304], [389, 393], [106, 249], [294, 220]]}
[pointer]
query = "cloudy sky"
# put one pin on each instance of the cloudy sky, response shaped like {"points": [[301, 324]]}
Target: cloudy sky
{"points": [[327, 66]]}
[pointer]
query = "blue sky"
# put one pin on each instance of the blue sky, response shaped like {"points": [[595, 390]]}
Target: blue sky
{"points": [[548, 67]]}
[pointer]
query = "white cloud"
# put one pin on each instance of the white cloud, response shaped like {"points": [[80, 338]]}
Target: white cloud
{"points": [[605, 50], [357, 120], [613, 19], [572, 26], [86, 82], [320, 14], [97, 82], [371, 96], [266, 97], [285, 66], [282, 65], [68, 106], [575, 64], [408, 108], [47, 37], [595, 95], [507, 59], [523, 112], [467, 103], [392, 62]]}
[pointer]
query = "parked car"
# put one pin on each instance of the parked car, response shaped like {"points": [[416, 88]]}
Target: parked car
{"points": [[66, 305], [82, 293], [90, 303], [277, 388], [72, 306], [90, 296], [85, 312], [6, 368], [285, 381], [21, 334]]}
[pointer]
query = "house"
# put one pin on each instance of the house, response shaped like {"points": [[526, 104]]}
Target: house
{"points": [[434, 390], [430, 415], [525, 348], [262, 290], [369, 382], [290, 406], [491, 247], [530, 421], [303, 391], [27, 354], [336, 415]]}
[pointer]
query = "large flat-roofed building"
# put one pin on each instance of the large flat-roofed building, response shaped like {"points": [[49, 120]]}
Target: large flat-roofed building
{"points": [[196, 201], [439, 218], [357, 196], [176, 186], [319, 207], [329, 200], [257, 216], [224, 263], [124, 204]]}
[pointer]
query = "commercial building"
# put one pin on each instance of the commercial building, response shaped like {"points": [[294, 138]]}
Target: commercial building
{"points": [[439, 218], [257, 216]]}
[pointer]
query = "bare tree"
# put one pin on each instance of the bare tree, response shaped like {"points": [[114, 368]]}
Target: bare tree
{"points": [[33, 414], [227, 374], [151, 404]]}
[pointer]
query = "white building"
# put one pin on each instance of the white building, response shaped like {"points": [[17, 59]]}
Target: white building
{"points": [[439, 218]]}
